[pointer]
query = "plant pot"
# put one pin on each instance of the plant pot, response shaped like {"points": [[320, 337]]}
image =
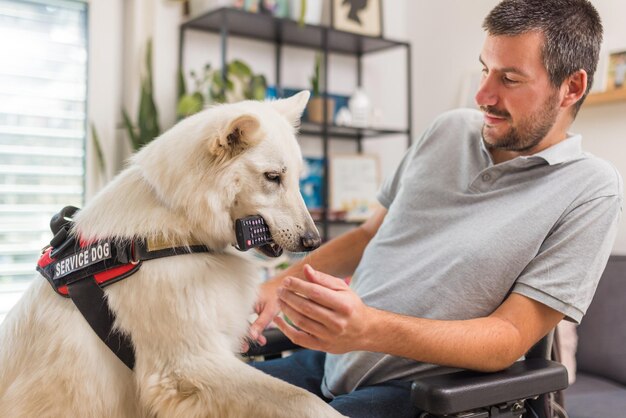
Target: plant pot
{"points": [[315, 109]]}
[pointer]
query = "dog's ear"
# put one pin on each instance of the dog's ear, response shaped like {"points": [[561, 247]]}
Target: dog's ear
{"points": [[292, 107], [237, 137]]}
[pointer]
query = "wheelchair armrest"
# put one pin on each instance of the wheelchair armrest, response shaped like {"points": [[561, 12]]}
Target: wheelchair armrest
{"points": [[277, 342], [468, 390]]}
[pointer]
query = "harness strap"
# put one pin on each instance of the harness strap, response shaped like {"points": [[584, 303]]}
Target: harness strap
{"points": [[91, 301], [79, 270]]}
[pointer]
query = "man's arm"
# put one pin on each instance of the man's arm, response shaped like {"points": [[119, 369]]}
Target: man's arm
{"points": [[331, 317], [339, 257]]}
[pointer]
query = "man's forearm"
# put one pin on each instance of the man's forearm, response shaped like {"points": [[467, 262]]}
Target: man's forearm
{"points": [[485, 344]]}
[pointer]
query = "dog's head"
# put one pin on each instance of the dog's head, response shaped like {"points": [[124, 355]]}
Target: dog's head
{"points": [[232, 161]]}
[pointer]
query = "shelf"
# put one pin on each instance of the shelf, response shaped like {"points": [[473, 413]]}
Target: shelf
{"points": [[606, 97], [264, 27], [346, 132], [230, 22]]}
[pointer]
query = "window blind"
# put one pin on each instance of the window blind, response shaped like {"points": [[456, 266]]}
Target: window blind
{"points": [[43, 92]]}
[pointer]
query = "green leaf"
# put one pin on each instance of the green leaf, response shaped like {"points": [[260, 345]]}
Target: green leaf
{"points": [[302, 12], [182, 85], [148, 117], [315, 78], [239, 69], [258, 87], [98, 148], [217, 91], [130, 130], [149, 65], [189, 104]]}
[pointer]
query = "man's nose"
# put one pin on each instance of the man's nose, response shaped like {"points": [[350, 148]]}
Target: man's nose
{"points": [[487, 93]]}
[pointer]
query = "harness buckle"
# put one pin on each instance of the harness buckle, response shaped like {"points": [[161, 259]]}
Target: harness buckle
{"points": [[134, 254]]}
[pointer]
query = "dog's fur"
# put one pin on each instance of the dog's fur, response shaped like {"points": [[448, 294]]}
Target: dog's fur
{"points": [[187, 314]]}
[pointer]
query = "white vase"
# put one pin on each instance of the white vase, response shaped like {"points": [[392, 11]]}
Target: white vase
{"points": [[360, 108], [313, 13]]}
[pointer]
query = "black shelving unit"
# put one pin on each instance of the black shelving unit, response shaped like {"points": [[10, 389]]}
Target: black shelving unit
{"points": [[265, 28]]}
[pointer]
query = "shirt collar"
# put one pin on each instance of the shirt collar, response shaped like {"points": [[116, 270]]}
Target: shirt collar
{"points": [[566, 150]]}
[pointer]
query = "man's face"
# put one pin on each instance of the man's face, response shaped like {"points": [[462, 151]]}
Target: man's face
{"points": [[519, 102]]}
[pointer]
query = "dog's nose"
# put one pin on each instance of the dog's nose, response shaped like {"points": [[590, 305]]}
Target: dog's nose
{"points": [[310, 241]]}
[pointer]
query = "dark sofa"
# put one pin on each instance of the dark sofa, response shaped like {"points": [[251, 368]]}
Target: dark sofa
{"points": [[600, 387]]}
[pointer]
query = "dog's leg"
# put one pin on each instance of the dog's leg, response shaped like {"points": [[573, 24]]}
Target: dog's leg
{"points": [[230, 388]]}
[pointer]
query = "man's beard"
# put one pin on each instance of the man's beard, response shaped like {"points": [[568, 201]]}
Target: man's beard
{"points": [[529, 131]]}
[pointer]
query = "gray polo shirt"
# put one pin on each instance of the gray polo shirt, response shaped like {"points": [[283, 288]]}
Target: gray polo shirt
{"points": [[461, 233]]}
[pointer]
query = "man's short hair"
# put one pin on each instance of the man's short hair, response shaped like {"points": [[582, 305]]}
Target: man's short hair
{"points": [[572, 30]]}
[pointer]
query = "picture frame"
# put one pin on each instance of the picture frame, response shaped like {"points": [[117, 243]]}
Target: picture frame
{"points": [[311, 185], [363, 17], [353, 185], [616, 77]]}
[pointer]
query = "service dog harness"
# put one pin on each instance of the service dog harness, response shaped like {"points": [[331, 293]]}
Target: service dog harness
{"points": [[79, 270]]}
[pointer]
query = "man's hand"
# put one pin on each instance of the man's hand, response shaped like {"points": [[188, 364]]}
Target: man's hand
{"points": [[328, 315]]}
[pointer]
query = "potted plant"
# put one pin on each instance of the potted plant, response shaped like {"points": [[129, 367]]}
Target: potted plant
{"points": [[147, 127], [241, 83], [315, 107]]}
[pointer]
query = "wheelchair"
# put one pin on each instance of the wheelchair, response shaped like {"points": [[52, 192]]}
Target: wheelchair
{"points": [[524, 390]]}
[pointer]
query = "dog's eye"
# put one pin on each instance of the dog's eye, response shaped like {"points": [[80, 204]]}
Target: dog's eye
{"points": [[273, 177]]}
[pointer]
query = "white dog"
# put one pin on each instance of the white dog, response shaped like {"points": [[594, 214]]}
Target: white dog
{"points": [[187, 314]]}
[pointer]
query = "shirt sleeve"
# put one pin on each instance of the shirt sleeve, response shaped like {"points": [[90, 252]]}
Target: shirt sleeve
{"points": [[391, 186], [565, 273]]}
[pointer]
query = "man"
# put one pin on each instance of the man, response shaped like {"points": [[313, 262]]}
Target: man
{"points": [[494, 227]]}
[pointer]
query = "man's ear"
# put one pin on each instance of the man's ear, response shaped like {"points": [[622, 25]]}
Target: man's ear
{"points": [[239, 135], [575, 88], [292, 107]]}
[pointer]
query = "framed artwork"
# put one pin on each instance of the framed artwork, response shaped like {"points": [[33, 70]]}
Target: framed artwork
{"points": [[617, 71], [358, 16], [353, 185], [311, 183]]}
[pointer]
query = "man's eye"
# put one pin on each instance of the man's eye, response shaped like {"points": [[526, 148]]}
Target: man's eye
{"points": [[507, 80], [273, 177]]}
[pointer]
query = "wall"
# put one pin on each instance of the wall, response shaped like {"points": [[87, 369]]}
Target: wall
{"points": [[447, 38], [604, 127], [105, 81]]}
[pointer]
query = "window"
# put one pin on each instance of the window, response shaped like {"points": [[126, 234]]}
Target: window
{"points": [[43, 91]]}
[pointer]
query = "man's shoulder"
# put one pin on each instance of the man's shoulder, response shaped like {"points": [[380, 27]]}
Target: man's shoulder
{"points": [[456, 124], [600, 173], [463, 117]]}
